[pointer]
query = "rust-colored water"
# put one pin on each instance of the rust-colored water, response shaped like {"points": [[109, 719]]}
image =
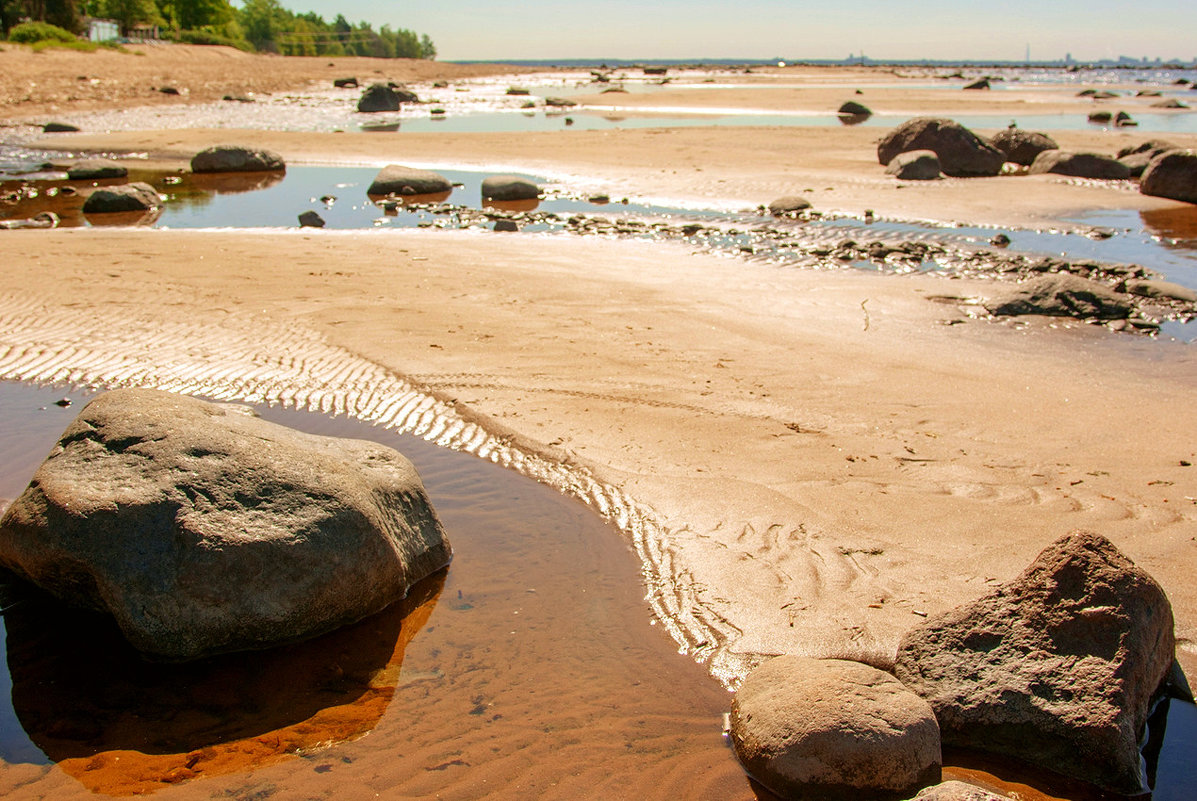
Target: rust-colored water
{"points": [[529, 670]]}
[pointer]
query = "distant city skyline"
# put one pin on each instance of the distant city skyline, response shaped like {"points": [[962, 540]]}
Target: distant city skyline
{"points": [[795, 29]]}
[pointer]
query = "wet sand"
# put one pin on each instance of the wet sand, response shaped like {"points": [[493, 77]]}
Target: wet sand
{"points": [[808, 461]]}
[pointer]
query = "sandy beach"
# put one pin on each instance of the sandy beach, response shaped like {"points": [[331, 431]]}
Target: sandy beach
{"points": [[816, 459]]}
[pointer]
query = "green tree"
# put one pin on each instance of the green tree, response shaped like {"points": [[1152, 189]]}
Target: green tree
{"points": [[130, 12], [262, 20]]}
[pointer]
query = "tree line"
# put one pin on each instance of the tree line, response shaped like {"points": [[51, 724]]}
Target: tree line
{"points": [[258, 25]]}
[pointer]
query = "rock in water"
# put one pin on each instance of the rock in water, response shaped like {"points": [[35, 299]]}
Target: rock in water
{"points": [[384, 97], [957, 791], [509, 187], [854, 109], [395, 179], [136, 196], [1021, 147], [1173, 175], [235, 158], [1058, 667], [96, 169], [310, 219], [203, 529], [788, 206], [961, 152], [831, 729]]}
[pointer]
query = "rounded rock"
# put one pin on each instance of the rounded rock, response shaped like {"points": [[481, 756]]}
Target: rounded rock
{"points": [[96, 169], [509, 187], [790, 204], [396, 179], [831, 729], [961, 153], [915, 165], [236, 158], [126, 197], [1172, 174]]}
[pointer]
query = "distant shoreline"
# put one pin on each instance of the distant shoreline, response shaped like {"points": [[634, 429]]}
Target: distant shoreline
{"points": [[1171, 66]]}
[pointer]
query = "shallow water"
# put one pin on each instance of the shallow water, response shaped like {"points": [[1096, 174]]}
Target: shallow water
{"points": [[532, 670]]}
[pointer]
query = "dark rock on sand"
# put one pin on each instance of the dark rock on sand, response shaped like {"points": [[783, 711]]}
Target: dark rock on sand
{"points": [[168, 90], [310, 219], [96, 169], [1021, 147], [656, 70], [1171, 102], [961, 152], [509, 187], [559, 102], [832, 729], [508, 226], [1173, 175], [1062, 295], [1079, 165], [982, 83], [1124, 120], [203, 529], [854, 109], [957, 791], [127, 197], [395, 179], [915, 165], [345, 83], [236, 158], [517, 91], [1101, 116], [1057, 667], [1137, 158], [59, 127], [381, 97], [1160, 290], [790, 204]]}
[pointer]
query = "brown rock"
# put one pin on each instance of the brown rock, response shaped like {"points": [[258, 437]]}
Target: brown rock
{"points": [[1062, 295], [956, 791], [831, 729], [961, 152], [1021, 147], [915, 165], [1173, 175], [1079, 165], [1057, 667]]}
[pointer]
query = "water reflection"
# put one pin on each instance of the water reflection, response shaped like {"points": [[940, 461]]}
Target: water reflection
{"points": [[124, 218], [1179, 224], [385, 201], [123, 726], [230, 183], [853, 119], [529, 204]]}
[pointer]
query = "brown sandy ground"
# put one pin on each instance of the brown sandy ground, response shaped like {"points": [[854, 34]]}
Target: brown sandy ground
{"points": [[831, 459]]}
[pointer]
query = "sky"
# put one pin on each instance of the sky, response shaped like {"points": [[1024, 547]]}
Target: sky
{"points": [[791, 29]]}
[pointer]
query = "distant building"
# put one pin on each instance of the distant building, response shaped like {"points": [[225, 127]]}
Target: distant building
{"points": [[103, 30]]}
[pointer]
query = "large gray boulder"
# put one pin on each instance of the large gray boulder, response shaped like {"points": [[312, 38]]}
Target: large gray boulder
{"points": [[1079, 165], [96, 170], [831, 729], [395, 179], [384, 97], [915, 165], [961, 152], [509, 187], [1021, 147], [236, 158], [136, 196], [1172, 174], [1062, 295], [203, 529], [1058, 667]]}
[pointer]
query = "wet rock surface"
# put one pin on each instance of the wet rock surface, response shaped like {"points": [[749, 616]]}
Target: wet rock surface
{"points": [[127, 197], [509, 187], [1063, 295], [1058, 667], [396, 179], [961, 152], [96, 169], [202, 529], [236, 158], [833, 729], [956, 791]]}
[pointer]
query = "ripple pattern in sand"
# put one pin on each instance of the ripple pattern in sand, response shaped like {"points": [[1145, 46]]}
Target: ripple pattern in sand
{"points": [[235, 358]]}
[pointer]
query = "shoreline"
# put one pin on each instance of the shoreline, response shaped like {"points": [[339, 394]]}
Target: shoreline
{"points": [[831, 457]]}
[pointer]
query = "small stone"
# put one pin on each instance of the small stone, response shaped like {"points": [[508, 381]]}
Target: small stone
{"points": [[310, 219]]}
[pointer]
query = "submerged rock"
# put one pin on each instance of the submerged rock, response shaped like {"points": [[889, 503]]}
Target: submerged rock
{"points": [[961, 152], [1062, 295], [236, 158], [1057, 667], [956, 791], [396, 179], [383, 97], [43, 219], [1021, 147], [854, 109], [203, 529], [832, 729], [126, 197]]}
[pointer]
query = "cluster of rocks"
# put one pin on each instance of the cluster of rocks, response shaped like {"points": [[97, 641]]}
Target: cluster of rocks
{"points": [[202, 529], [1058, 668], [926, 148]]}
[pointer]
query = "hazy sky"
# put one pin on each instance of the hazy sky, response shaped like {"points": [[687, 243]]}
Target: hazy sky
{"points": [[948, 29]]}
